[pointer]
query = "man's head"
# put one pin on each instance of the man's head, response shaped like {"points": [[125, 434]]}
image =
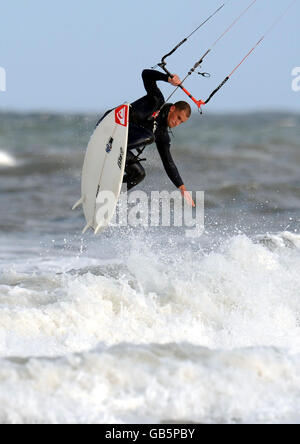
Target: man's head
{"points": [[179, 113]]}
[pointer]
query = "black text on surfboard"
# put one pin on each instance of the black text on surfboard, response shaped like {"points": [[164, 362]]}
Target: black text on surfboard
{"points": [[120, 158]]}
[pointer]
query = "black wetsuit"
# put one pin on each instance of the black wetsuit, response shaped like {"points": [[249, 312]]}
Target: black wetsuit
{"points": [[144, 130]]}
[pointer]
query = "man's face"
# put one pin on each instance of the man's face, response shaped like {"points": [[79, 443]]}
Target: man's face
{"points": [[176, 117]]}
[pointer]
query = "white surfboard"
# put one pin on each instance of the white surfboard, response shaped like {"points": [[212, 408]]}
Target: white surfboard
{"points": [[103, 169]]}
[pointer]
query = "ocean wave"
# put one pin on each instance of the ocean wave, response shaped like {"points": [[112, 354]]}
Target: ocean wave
{"points": [[241, 294], [6, 160], [280, 240], [171, 383], [36, 164], [154, 335]]}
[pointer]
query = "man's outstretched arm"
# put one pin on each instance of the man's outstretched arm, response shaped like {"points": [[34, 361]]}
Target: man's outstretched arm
{"points": [[163, 147]]}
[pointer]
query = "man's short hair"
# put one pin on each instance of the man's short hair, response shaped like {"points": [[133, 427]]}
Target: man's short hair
{"points": [[183, 106]]}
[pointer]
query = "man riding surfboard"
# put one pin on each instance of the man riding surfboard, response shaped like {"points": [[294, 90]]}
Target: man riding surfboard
{"points": [[150, 121]]}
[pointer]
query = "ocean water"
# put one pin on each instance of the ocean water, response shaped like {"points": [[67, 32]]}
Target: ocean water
{"points": [[143, 325]]}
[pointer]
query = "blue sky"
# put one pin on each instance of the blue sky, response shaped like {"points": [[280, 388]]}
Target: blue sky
{"points": [[88, 55]]}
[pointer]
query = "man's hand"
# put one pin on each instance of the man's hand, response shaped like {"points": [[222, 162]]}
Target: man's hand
{"points": [[175, 80], [187, 196]]}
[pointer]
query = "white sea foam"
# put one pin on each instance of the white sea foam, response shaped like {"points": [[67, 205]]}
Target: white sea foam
{"points": [[152, 384], [210, 337], [242, 295], [6, 160]]}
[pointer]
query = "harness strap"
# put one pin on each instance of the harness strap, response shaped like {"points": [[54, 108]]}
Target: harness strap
{"points": [[137, 158]]}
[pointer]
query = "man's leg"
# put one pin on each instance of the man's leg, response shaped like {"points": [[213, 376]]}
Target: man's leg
{"points": [[137, 137], [135, 172]]}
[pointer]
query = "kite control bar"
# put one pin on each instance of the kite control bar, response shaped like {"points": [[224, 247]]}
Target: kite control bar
{"points": [[163, 66]]}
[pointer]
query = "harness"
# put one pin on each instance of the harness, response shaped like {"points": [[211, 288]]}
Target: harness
{"points": [[140, 151], [137, 158]]}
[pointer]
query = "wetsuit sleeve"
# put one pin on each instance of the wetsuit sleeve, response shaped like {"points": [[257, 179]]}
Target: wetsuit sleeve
{"points": [[163, 146], [150, 77]]}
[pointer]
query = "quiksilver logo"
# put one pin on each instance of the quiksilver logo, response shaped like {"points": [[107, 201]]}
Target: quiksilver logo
{"points": [[121, 115]]}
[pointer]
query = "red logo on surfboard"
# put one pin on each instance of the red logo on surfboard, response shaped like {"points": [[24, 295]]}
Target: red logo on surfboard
{"points": [[121, 114]]}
